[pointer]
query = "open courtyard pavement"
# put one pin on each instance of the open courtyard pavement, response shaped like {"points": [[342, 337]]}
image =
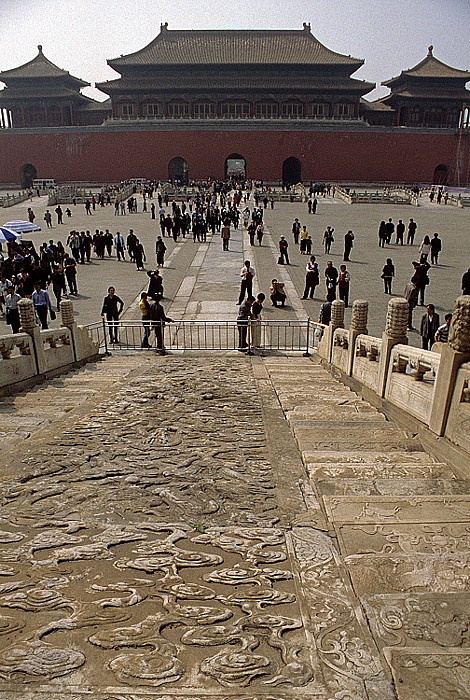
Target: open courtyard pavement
{"points": [[202, 281], [215, 526]]}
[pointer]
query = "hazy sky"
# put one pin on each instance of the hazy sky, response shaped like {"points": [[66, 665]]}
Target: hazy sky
{"points": [[80, 35]]}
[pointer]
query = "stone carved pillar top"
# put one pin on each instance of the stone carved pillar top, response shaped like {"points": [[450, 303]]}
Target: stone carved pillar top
{"points": [[360, 309], [66, 312], [397, 318], [337, 314], [27, 315], [459, 331]]}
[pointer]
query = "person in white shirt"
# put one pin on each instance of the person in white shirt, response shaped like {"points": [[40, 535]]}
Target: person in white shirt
{"points": [[247, 274]]}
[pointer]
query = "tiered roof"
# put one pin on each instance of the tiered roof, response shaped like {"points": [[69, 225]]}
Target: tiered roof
{"points": [[40, 68], [235, 47]]}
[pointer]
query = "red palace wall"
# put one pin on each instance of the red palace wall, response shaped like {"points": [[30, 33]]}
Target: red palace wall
{"points": [[100, 155]]}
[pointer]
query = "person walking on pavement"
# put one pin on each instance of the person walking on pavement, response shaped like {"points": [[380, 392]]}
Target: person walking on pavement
{"points": [[312, 278], [430, 322], [343, 284], [225, 234], [331, 279], [436, 247], [400, 232], [388, 272], [70, 271], [247, 274], [112, 309], [119, 245], [328, 239], [283, 254], [348, 244], [296, 231], [412, 226], [160, 249]]}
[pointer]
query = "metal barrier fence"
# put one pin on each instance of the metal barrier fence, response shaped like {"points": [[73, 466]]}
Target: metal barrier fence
{"points": [[285, 336]]}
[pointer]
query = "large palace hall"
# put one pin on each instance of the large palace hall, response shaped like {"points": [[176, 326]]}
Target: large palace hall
{"points": [[271, 104]]}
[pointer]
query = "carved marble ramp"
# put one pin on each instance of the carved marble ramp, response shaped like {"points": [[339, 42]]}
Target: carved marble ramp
{"points": [[159, 539], [401, 522], [219, 528]]}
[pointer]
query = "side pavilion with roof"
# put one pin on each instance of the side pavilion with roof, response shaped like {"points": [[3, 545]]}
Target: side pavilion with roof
{"points": [[40, 94]]}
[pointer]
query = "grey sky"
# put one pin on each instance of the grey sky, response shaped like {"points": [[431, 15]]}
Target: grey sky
{"points": [[79, 35]]}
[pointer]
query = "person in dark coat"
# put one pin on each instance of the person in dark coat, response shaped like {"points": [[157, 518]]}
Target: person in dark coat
{"points": [[112, 308], [430, 322], [158, 319], [155, 287], [348, 244]]}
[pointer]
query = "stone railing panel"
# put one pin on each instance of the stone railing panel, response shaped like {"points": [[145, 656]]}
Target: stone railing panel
{"points": [[340, 352], [411, 380], [366, 360], [458, 424], [17, 361], [58, 348]]}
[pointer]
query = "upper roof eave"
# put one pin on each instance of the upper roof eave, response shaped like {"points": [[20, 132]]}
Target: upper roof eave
{"points": [[246, 47]]}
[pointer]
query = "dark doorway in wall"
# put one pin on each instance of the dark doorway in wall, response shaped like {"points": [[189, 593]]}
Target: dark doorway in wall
{"points": [[291, 171], [178, 170], [441, 175], [28, 173]]}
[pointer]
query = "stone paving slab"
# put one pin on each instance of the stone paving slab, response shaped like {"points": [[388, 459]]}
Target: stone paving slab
{"points": [[428, 621], [436, 675], [416, 572]]}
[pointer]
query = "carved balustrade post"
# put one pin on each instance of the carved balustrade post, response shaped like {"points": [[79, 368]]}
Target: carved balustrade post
{"points": [[395, 333], [337, 321], [68, 320], [360, 310], [30, 326], [453, 354]]}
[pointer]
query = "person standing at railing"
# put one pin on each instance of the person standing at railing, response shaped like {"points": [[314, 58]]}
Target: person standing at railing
{"points": [[144, 307], [244, 316], [112, 309], [256, 309], [158, 319]]}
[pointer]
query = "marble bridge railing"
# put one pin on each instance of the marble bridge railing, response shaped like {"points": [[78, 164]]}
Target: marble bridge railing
{"points": [[431, 386], [34, 354]]}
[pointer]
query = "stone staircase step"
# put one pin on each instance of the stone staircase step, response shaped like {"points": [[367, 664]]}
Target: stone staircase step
{"points": [[404, 538], [391, 487], [397, 509], [354, 458], [378, 470]]}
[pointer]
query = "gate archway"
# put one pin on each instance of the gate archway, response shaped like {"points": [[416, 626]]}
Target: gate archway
{"points": [[441, 175], [178, 170], [28, 173], [291, 171], [235, 167]]}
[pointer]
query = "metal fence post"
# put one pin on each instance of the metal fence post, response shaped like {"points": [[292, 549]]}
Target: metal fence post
{"points": [[306, 353], [248, 338], [106, 351]]}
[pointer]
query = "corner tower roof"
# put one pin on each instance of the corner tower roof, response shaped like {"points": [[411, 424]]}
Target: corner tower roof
{"points": [[40, 68], [429, 67], [205, 47]]}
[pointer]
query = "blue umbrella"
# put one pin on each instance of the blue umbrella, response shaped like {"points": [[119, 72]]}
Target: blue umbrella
{"points": [[19, 226], [6, 234]]}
